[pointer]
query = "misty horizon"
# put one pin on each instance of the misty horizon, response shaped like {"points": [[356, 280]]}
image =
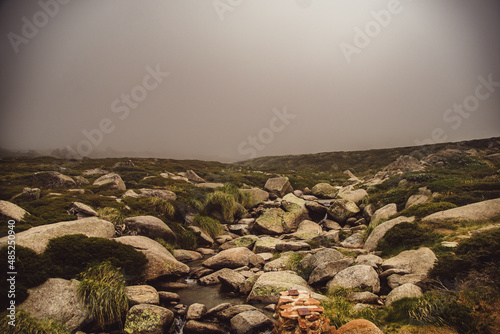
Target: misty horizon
{"points": [[230, 81]]}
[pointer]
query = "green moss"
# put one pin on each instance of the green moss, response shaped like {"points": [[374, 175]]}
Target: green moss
{"points": [[141, 322], [27, 324]]}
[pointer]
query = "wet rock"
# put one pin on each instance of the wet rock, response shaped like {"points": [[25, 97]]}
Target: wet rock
{"points": [[232, 280]]}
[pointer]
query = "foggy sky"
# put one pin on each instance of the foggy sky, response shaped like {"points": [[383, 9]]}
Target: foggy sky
{"points": [[228, 78]]}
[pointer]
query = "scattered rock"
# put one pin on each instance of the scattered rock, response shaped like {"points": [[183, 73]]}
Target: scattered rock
{"points": [[350, 194], [202, 238], [325, 255], [142, 294], [250, 322], [196, 311], [270, 222], [110, 181], [364, 297], [327, 270], [197, 327], [341, 209], [168, 297], [307, 230], [324, 190], [244, 241], [418, 261], [396, 280], [359, 276], [82, 210], [160, 193], [53, 180], [359, 326], [185, 255], [233, 258], [268, 286], [193, 177], [353, 241], [266, 245], [407, 290], [405, 163], [279, 186], [384, 213], [28, 194], [292, 246], [257, 196], [210, 185]]}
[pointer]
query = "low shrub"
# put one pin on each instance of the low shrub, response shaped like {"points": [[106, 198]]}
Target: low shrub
{"points": [[222, 203], [209, 225], [425, 209], [162, 207], [406, 236], [72, 254], [27, 324], [102, 288], [111, 215], [479, 253]]}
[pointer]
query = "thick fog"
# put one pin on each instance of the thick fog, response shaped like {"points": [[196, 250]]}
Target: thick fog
{"points": [[234, 79]]}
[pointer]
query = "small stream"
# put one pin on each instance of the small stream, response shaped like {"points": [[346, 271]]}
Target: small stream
{"points": [[209, 295]]}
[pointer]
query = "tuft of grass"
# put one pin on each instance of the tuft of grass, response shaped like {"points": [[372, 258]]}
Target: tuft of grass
{"points": [[209, 225], [293, 262], [337, 307], [28, 324], [406, 236], [102, 288], [222, 202], [170, 247], [112, 215], [162, 207]]}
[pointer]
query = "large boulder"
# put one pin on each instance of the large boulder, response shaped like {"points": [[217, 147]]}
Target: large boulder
{"points": [[327, 270], [150, 226], [57, 299], [148, 319], [324, 190], [37, 238], [268, 286], [378, 232], [53, 180], [384, 213], [110, 181], [257, 196], [418, 261], [9, 210], [360, 276], [482, 211], [349, 193], [233, 258], [279, 186], [142, 294], [160, 262], [342, 209], [407, 290], [270, 221], [250, 322]]}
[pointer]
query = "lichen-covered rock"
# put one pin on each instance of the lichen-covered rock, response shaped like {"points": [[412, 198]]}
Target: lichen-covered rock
{"points": [[37, 238], [160, 193], [280, 186], [360, 276], [324, 190], [270, 222], [327, 270], [110, 181], [247, 241], [342, 209], [286, 246], [148, 319], [307, 230], [325, 255], [57, 299], [160, 261], [142, 294], [349, 193], [151, 227], [353, 241], [266, 245]]}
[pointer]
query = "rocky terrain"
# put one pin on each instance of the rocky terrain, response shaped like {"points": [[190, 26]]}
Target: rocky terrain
{"points": [[111, 244]]}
